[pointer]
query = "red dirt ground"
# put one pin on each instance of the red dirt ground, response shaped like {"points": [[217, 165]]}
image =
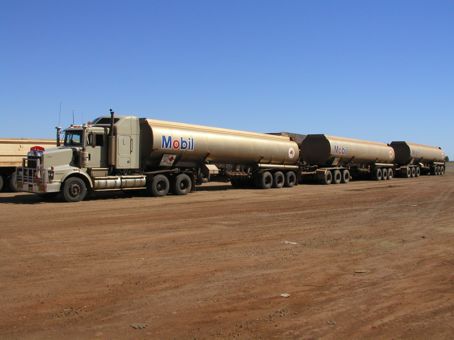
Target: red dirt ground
{"points": [[367, 259]]}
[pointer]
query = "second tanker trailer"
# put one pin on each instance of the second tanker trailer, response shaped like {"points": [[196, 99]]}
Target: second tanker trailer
{"points": [[118, 153], [330, 159]]}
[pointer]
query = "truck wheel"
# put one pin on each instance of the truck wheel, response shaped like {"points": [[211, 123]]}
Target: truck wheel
{"points": [[390, 174], [408, 173], [278, 179], [337, 177], [182, 185], [417, 171], [378, 174], [2, 182], [290, 179], [413, 172], [327, 177], [345, 176], [74, 189], [442, 170], [12, 182], [158, 186], [264, 180], [384, 173]]}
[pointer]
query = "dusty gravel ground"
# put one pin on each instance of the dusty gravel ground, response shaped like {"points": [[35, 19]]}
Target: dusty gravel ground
{"points": [[367, 259]]}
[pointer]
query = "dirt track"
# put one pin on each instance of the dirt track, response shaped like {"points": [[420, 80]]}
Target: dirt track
{"points": [[367, 259]]}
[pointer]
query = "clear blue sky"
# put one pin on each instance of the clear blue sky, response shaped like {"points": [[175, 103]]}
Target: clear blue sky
{"points": [[378, 70]]}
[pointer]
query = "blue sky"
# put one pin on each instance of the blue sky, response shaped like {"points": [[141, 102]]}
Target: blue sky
{"points": [[378, 70]]}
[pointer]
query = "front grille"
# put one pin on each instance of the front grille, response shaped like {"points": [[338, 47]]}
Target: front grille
{"points": [[32, 162], [27, 175]]}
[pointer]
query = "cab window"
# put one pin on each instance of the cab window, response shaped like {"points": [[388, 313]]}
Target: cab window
{"points": [[73, 138], [99, 140]]}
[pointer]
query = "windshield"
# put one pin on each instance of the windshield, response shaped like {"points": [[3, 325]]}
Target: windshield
{"points": [[73, 138]]}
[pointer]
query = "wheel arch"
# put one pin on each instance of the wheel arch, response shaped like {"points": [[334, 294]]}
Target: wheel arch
{"points": [[81, 175]]}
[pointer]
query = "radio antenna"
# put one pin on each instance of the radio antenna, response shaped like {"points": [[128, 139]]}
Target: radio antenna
{"points": [[59, 115], [73, 117]]}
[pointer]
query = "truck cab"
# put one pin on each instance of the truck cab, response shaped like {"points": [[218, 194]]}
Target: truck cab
{"points": [[92, 156]]}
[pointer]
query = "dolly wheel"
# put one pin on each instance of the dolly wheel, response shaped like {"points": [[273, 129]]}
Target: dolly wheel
{"points": [[337, 177], [378, 174], [345, 176], [390, 173], [327, 177]]}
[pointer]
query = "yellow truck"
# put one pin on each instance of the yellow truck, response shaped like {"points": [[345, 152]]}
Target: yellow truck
{"points": [[12, 151]]}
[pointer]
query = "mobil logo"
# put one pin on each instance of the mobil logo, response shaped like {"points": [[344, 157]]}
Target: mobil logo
{"points": [[175, 143], [340, 150]]}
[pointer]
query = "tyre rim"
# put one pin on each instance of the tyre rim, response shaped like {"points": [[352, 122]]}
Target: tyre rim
{"points": [[183, 185], [74, 190], [161, 186]]}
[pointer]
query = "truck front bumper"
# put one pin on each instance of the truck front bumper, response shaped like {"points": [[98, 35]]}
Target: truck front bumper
{"points": [[38, 181]]}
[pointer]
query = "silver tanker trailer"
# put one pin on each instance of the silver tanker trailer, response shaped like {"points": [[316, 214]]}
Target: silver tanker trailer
{"points": [[330, 159], [413, 159], [119, 153]]}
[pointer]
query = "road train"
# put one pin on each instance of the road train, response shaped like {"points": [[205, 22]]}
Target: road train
{"points": [[127, 152]]}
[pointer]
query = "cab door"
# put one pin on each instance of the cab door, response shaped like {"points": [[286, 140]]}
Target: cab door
{"points": [[124, 152], [96, 150]]}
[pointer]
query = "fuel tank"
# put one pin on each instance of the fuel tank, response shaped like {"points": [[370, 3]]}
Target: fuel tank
{"points": [[411, 153], [324, 150], [177, 144]]}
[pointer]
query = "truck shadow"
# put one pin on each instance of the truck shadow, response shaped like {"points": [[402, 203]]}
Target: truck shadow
{"points": [[21, 199], [24, 198], [220, 187]]}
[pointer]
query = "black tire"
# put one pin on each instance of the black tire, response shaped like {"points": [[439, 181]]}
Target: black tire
{"points": [[290, 179], [12, 182], [327, 177], [345, 176], [418, 171], [74, 189], [278, 179], [2, 182], [337, 177], [390, 174], [442, 170], [378, 175], [385, 173], [264, 180], [438, 170], [407, 173], [182, 185], [158, 186], [413, 172]]}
